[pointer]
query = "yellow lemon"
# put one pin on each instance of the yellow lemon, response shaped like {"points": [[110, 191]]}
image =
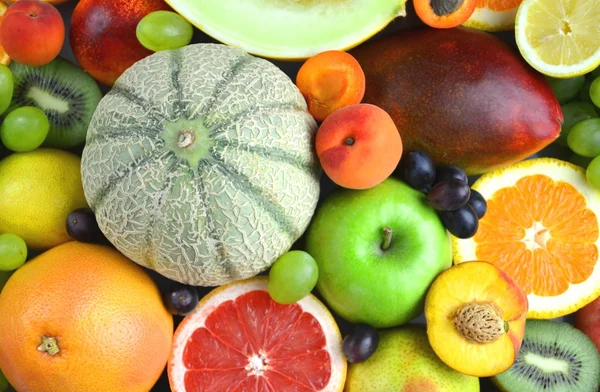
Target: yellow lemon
{"points": [[38, 190]]}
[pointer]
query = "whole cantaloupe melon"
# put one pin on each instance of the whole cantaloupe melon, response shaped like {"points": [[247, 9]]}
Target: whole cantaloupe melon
{"points": [[199, 164]]}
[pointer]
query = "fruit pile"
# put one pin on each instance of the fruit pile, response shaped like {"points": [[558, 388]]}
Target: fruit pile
{"points": [[177, 213]]}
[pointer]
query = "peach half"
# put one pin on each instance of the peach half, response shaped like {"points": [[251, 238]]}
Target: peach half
{"points": [[475, 317]]}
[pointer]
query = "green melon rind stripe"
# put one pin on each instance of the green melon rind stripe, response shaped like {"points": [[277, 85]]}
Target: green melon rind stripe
{"points": [[157, 213], [210, 226], [176, 62], [110, 133], [131, 97], [257, 195], [114, 180], [235, 69], [217, 128], [269, 153]]}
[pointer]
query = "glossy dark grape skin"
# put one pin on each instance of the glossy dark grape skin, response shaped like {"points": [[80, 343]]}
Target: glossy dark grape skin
{"points": [[181, 299], [462, 223], [417, 170], [445, 173], [449, 195], [477, 201], [361, 343], [82, 226]]}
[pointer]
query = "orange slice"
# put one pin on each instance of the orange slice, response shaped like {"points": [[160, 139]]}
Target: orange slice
{"points": [[541, 229], [494, 15], [239, 339], [4, 59]]}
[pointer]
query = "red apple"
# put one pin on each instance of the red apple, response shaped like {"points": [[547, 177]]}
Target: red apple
{"points": [[587, 320], [32, 32], [103, 35]]}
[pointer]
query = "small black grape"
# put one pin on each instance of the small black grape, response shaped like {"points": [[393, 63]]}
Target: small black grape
{"points": [[462, 223], [445, 173], [449, 195], [181, 299], [417, 170], [82, 226], [361, 343], [478, 203]]}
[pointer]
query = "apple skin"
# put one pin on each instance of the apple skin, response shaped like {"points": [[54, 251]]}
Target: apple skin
{"points": [[358, 280], [587, 320]]}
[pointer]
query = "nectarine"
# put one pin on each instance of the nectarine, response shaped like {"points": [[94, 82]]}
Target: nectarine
{"points": [[32, 32], [358, 146], [587, 320], [103, 35]]}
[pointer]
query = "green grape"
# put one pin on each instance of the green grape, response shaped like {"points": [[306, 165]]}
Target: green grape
{"points": [[6, 88], [292, 277], [595, 92], [593, 173], [566, 89], [24, 129], [573, 113], [584, 138], [164, 30], [3, 381], [13, 252], [580, 161]]}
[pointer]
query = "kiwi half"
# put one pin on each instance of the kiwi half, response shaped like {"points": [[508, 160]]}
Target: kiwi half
{"points": [[66, 93], [554, 357]]}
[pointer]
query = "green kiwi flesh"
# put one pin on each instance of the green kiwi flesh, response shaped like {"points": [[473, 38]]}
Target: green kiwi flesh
{"points": [[66, 93], [554, 357]]}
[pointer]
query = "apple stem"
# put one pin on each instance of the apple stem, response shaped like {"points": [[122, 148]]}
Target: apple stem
{"points": [[387, 238]]}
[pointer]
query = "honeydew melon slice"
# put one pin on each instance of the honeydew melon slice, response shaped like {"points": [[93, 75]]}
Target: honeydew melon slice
{"points": [[290, 29]]}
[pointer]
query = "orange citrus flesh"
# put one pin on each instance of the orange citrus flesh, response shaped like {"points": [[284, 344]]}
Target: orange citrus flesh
{"points": [[541, 233], [481, 283], [498, 5], [4, 59]]}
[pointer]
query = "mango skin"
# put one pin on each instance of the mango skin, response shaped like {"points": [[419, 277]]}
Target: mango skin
{"points": [[461, 95]]}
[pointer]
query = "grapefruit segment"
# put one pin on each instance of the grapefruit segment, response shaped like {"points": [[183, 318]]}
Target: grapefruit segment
{"points": [[287, 29], [542, 229], [239, 339]]}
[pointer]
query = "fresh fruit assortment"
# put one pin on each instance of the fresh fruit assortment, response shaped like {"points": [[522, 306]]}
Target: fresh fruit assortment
{"points": [[209, 165]]}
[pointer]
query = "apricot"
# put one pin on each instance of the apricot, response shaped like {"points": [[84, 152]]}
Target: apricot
{"points": [[103, 35], [330, 81], [475, 317], [32, 32], [358, 146]]}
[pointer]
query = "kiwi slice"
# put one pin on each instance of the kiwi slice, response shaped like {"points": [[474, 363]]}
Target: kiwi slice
{"points": [[554, 357], [66, 93]]}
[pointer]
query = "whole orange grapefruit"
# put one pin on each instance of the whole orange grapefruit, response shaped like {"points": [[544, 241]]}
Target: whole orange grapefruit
{"points": [[82, 317]]}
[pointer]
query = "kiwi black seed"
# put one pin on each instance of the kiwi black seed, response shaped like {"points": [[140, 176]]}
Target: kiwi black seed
{"points": [[66, 93], [554, 357]]}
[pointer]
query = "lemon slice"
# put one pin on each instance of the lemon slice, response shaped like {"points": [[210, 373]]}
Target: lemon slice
{"points": [[559, 38]]}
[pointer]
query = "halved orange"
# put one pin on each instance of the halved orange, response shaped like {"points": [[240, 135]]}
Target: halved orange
{"points": [[239, 339], [494, 15], [4, 59], [542, 229]]}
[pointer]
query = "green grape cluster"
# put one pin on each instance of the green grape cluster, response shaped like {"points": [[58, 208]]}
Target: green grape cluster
{"points": [[580, 102], [23, 129]]}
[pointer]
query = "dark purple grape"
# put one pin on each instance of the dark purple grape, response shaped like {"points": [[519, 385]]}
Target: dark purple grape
{"points": [[461, 223], [445, 173], [361, 343], [181, 299], [449, 195], [82, 226], [478, 203], [417, 170]]}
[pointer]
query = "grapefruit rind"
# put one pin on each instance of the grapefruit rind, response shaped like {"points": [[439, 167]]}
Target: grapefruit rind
{"points": [[231, 291], [493, 21], [290, 30], [578, 295]]}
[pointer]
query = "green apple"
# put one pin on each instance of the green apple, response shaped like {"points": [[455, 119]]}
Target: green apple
{"points": [[404, 361], [378, 251]]}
